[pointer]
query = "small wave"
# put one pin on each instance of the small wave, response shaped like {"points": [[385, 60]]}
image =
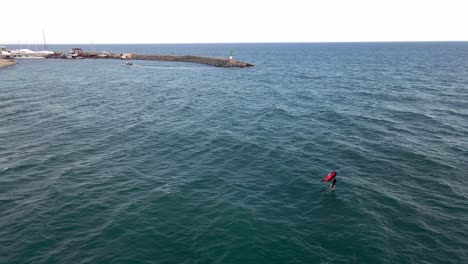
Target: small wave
{"points": [[281, 108], [165, 189], [276, 110], [307, 77]]}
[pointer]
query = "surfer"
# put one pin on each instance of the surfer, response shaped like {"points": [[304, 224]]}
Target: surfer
{"points": [[331, 177]]}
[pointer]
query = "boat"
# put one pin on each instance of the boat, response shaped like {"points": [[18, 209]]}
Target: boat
{"points": [[75, 53], [103, 54], [25, 54], [4, 53], [30, 54]]}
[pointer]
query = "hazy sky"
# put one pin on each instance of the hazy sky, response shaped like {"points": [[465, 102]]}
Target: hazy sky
{"points": [[200, 21]]}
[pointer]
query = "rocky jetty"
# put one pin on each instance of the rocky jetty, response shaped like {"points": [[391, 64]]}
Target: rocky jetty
{"points": [[6, 63], [218, 62]]}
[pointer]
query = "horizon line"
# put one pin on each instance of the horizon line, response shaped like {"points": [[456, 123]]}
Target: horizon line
{"points": [[266, 42]]}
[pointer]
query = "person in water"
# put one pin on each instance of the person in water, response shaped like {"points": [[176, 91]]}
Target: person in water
{"points": [[332, 185], [331, 177]]}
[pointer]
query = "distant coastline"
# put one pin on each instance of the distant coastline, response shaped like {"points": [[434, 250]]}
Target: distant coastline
{"points": [[6, 63]]}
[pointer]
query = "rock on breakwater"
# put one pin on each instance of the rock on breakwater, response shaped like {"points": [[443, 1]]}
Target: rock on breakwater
{"points": [[6, 63]]}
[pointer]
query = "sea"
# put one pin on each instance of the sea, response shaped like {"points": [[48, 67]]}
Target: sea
{"points": [[173, 162]]}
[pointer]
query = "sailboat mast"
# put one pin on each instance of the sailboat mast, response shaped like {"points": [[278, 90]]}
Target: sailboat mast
{"points": [[43, 36]]}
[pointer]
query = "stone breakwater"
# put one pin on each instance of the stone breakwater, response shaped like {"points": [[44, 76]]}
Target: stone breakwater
{"points": [[218, 62], [6, 63]]}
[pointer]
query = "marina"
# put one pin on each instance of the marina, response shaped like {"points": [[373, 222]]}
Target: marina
{"points": [[78, 53]]}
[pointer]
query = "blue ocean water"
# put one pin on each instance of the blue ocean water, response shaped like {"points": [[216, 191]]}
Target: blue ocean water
{"points": [[166, 162]]}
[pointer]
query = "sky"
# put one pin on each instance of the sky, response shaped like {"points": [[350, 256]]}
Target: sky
{"points": [[237, 21]]}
